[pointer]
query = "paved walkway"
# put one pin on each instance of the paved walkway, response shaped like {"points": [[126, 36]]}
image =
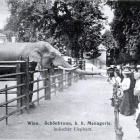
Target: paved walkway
{"points": [[86, 103]]}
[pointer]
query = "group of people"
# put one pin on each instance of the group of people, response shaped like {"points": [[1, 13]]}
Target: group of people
{"points": [[126, 78]]}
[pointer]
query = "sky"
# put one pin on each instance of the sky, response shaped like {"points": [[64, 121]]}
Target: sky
{"points": [[109, 13], [4, 13]]}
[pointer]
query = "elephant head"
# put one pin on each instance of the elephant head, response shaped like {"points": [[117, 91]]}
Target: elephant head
{"points": [[45, 54]]}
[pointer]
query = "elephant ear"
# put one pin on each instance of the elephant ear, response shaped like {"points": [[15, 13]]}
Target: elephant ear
{"points": [[35, 56]]}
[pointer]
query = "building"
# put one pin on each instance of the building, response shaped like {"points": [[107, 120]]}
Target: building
{"points": [[3, 38], [101, 60]]}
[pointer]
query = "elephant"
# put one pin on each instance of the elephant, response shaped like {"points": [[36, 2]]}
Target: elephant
{"points": [[38, 52]]}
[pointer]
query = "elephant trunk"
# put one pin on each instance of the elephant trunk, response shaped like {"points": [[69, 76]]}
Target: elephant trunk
{"points": [[79, 71], [67, 66]]}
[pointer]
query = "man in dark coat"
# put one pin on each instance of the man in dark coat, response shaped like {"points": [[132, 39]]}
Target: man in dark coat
{"points": [[132, 86]]}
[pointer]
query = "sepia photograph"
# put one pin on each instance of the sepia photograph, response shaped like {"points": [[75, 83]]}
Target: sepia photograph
{"points": [[69, 70]]}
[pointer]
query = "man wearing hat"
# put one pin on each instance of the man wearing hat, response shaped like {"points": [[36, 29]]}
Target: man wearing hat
{"points": [[132, 86], [126, 107], [110, 72]]}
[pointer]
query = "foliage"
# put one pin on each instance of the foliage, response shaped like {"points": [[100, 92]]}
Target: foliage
{"points": [[111, 46], [27, 19], [108, 40], [80, 22], [74, 24], [125, 28]]}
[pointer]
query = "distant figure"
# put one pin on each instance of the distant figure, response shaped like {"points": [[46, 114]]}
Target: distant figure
{"points": [[137, 85], [132, 86], [110, 73], [115, 81]]}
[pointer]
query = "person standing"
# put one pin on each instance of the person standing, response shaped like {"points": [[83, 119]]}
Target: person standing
{"points": [[137, 94], [137, 85], [115, 81], [110, 73], [125, 105], [116, 77], [134, 99]]}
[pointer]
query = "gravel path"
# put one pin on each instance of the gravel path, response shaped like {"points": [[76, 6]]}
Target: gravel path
{"points": [[86, 103]]}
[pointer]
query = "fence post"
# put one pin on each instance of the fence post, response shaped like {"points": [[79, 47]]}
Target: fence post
{"points": [[65, 78], [118, 128], [19, 90], [119, 134], [80, 66], [6, 99], [47, 82], [69, 74], [84, 65], [27, 84], [61, 85], [70, 78], [84, 68], [37, 91], [22, 67]]}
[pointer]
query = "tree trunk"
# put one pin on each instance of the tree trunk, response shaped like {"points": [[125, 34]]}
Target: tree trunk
{"points": [[73, 47], [69, 51]]}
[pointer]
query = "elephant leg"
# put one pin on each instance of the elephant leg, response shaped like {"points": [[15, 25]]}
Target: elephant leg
{"points": [[31, 86]]}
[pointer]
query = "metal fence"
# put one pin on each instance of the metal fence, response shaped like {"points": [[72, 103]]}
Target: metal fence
{"points": [[23, 83]]}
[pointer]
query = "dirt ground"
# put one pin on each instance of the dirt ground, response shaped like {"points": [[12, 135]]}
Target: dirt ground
{"points": [[84, 102]]}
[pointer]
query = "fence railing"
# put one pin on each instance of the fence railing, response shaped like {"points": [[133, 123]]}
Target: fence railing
{"points": [[22, 76]]}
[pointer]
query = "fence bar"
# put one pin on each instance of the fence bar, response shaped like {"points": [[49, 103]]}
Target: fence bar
{"points": [[7, 66], [39, 89], [13, 74], [37, 99], [12, 100], [6, 99], [9, 106], [8, 79], [11, 113], [9, 92], [12, 87], [11, 62]]}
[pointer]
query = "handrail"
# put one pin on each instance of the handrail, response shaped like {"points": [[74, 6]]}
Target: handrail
{"points": [[64, 79], [13, 74]]}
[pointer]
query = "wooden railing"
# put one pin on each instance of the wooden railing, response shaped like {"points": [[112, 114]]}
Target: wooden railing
{"points": [[22, 78]]}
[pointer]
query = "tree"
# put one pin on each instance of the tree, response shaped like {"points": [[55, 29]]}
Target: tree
{"points": [[111, 46], [75, 24], [125, 28], [28, 19], [78, 21]]}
